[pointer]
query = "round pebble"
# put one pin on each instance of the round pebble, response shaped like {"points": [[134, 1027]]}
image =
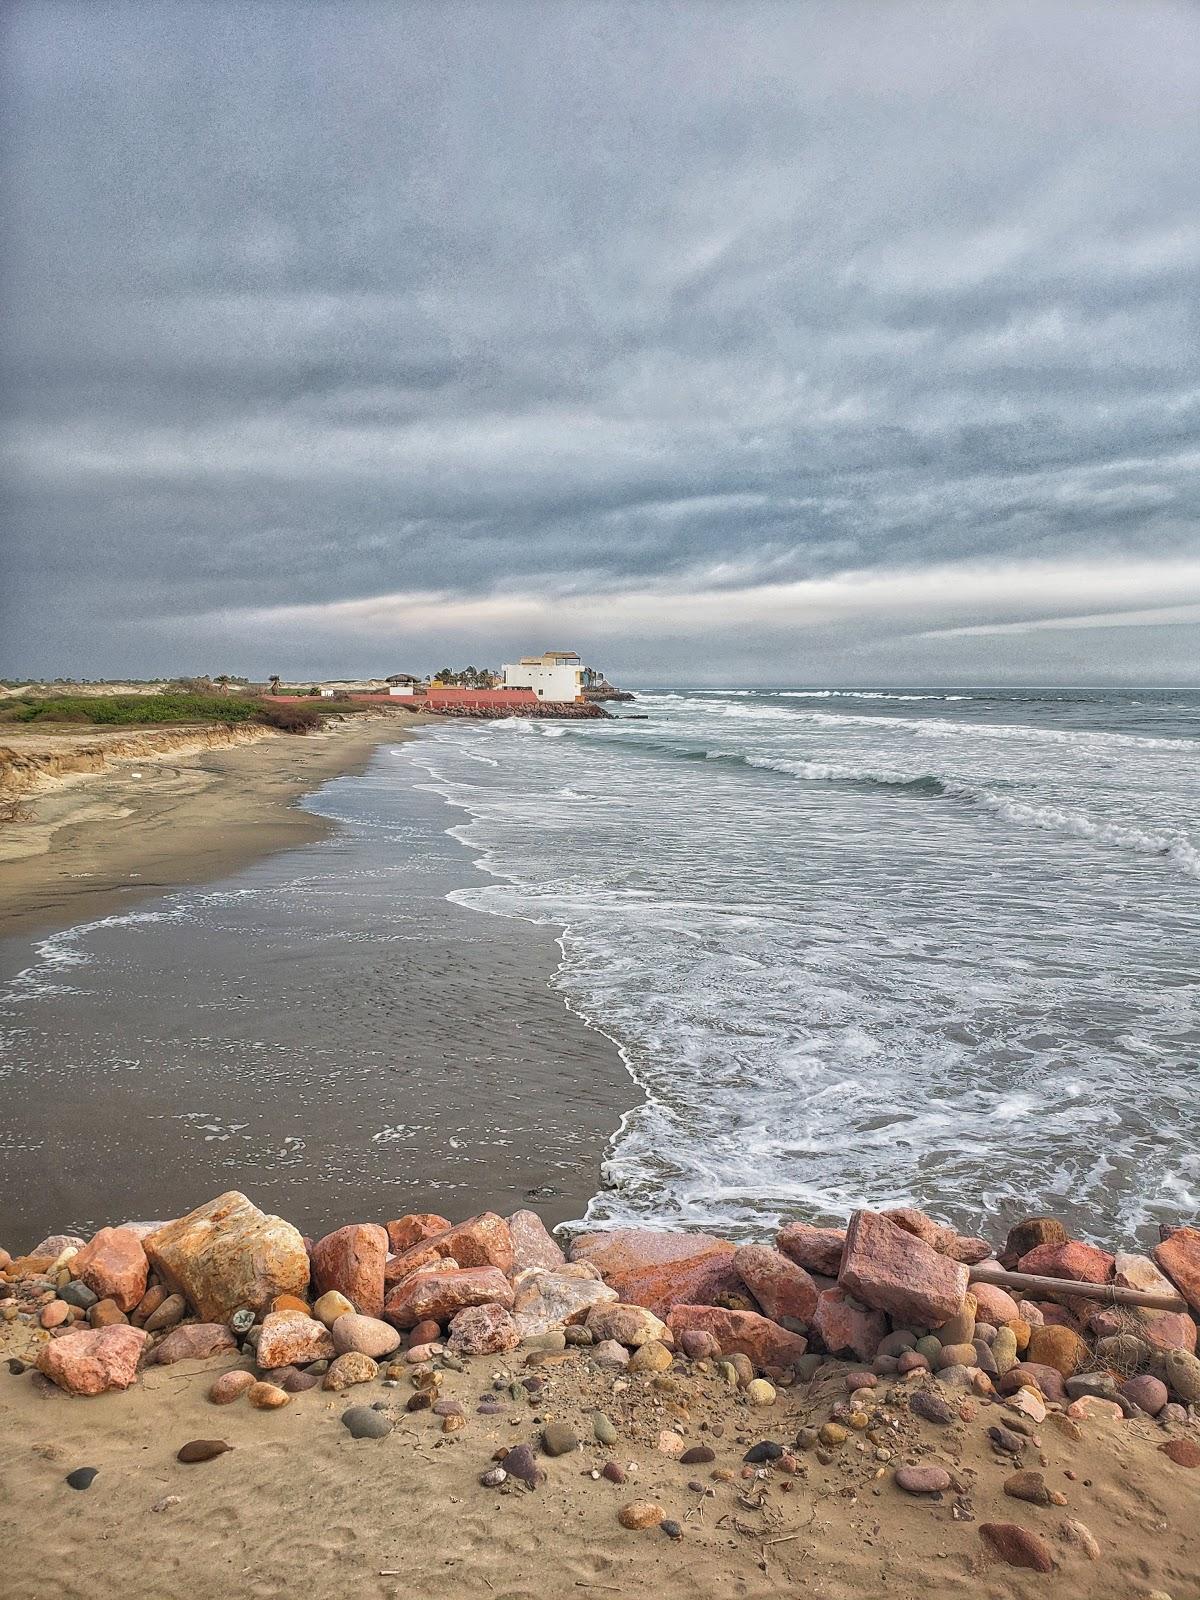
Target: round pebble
{"points": [[82, 1477], [363, 1422]]}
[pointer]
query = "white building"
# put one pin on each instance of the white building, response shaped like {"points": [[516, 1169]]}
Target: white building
{"points": [[557, 675]]}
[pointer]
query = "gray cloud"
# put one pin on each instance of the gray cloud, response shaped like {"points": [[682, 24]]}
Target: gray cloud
{"points": [[311, 304]]}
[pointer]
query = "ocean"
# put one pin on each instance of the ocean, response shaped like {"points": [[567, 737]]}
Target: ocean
{"points": [[816, 948], [868, 946]]}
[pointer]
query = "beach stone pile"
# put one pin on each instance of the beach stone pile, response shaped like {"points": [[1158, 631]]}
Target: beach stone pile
{"points": [[890, 1295]]}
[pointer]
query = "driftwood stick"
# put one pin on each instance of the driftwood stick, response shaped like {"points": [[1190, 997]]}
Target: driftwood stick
{"points": [[1111, 1293]]}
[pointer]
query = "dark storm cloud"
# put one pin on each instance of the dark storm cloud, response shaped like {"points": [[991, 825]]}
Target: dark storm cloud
{"points": [[316, 304]]}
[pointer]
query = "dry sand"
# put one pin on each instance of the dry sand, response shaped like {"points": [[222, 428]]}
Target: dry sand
{"points": [[99, 842], [299, 1507]]}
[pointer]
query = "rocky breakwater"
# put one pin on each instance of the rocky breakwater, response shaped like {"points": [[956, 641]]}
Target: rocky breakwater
{"points": [[899, 1333]]}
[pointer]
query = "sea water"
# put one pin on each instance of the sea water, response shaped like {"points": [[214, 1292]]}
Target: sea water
{"points": [[867, 946]]}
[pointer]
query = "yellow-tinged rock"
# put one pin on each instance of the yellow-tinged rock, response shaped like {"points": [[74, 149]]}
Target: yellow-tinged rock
{"points": [[760, 1393], [228, 1254], [332, 1305], [267, 1396]]}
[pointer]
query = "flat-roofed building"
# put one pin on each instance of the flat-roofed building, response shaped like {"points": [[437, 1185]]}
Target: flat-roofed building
{"points": [[557, 675]]}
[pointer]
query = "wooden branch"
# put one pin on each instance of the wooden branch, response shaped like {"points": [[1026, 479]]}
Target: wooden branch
{"points": [[1028, 1283]]}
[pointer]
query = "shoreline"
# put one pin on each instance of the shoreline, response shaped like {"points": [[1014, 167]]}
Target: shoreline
{"points": [[143, 824]]}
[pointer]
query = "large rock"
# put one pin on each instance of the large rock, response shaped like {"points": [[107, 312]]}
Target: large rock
{"points": [[94, 1360], [891, 1270], [740, 1333], [370, 1336], [817, 1250], [1058, 1347], [409, 1230], [194, 1341], [229, 1254], [351, 1260], [632, 1326], [995, 1305], [781, 1288], [114, 1266], [483, 1331], [845, 1327], [482, 1241], [1179, 1257], [437, 1296], [292, 1339], [533, 1245], [545, 1300], [659, 1269], [1071, 1260], [1165, 1330], [1026, 1235]]}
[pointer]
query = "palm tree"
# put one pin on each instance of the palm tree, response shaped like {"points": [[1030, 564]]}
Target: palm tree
{"points": [[275, 682]]}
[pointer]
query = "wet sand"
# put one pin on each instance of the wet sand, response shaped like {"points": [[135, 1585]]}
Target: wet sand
{"points": [[322, 1030], [97, 843]]}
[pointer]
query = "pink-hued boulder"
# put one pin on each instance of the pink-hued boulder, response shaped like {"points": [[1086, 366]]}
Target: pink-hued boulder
{"points": [[483, 1330], [292, 1339], [368, 1336], [740, 1332], [1179, 1257], [817, 1250], [781, 1288], [438, 1296], [94, 1360], [351, 1260], [1072, 1260], [533, 1245], [891, 1270], [659, 1269], [407, 1231], [194, 1341], [995, 1305], [845, 1328], [482, 1241], [114, 1266]]}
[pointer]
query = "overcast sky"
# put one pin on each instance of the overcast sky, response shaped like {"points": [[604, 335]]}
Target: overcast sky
{"points": [[722, 342]]}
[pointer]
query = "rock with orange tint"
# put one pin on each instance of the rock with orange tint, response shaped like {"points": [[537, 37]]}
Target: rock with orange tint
{"points": [[292, 1339], [106, 1314], [533, 1245], [54, 1314], [228, 1254], [891, 1270], [995, 1305], [1072, 1260], [1017, 1546], [437, 1296], [781, 1288], [746, 1333], [291, 1302], [194, 1341], [351, 1260], [93, 1361], [657, 1269], [409, 1230], [817, 1250], [1179, 1257], [1060, 1348], [114, 1266], [846, 1328], [424, 1253], [482, 1241]]}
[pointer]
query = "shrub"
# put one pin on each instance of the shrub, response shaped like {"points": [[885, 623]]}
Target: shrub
{"points": [[289, 718]]}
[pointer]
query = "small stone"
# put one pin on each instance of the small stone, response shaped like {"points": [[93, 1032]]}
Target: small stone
{"points": [[520, 1462], [1006, 1441], [1030, 1486], [230, 1386], [368, 1336], [332, 1305], [494, 1478], [202, 1450], [1080, 1537], [78, 1295], [765, 1450], [1147, 1393], [364, 1422], [241, 1321], [671, 1528], [696, 1454], [641, 1514], [54, 1314], [604, 1428], [82, 1477], [931, 1406], [558, 1439], [348, 1370], [670, 1444], [613, 1472], [267, 1396], [922, 1480], [832, 1433], [760, 1393], [167, 1501], [1017, 1546], [652, 1356], [1183, 1452], [170, 1311], [1091, 1405]]}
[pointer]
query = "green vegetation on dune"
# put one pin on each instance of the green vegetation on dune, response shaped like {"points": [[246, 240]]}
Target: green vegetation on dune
{"points": [[157, 710]]}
